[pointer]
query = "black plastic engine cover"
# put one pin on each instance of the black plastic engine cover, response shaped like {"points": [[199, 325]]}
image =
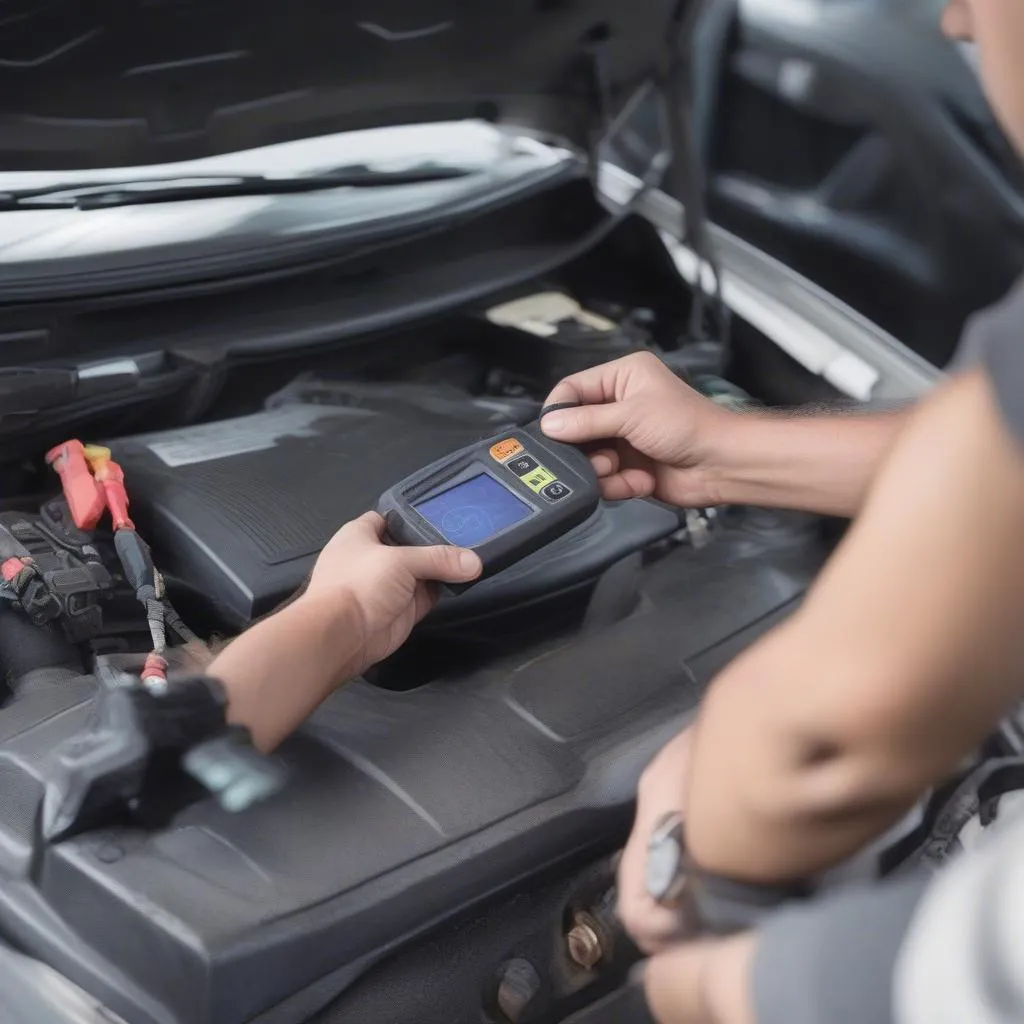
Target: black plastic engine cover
{"points": [[240, 508], [404, 809]]}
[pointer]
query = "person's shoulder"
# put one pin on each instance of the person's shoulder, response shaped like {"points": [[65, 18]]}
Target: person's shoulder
{"points": [[1005, 315], [984, 328], [993, 340]]}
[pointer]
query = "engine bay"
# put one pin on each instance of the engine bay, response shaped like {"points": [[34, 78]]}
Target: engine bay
{"points": [[464, 798]]}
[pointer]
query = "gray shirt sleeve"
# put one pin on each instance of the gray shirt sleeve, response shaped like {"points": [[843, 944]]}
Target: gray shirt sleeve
{"points": [[831, 961], [994, 339]]}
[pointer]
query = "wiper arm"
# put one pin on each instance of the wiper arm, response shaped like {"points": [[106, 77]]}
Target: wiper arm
{"points": [[96, 195], [30, 389]]}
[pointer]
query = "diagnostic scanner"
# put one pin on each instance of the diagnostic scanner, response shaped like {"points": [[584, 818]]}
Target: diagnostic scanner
{"points": [[505, 498]]}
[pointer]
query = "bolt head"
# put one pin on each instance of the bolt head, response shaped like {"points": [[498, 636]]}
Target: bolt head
{"points": [[584, 945]]}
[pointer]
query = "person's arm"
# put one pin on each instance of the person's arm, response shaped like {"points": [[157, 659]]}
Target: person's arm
{"points": [[648, 433], [821, 462], [360, 604], [918, 948], [829, 961], [903, 657], [277, 673]]}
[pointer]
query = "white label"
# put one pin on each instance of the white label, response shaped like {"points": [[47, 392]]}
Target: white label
{"points": [[245, 434]]}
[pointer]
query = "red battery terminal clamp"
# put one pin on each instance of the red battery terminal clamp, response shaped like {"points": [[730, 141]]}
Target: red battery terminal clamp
{"points": [[93, 483]]}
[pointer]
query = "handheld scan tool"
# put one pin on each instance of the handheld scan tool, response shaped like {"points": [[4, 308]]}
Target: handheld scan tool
{"points": [[505, 498]]}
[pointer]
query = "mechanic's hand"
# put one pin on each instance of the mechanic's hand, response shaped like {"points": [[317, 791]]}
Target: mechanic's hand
{"points": [[710, 981], [649, 434], [652, 926], [390, 587]]}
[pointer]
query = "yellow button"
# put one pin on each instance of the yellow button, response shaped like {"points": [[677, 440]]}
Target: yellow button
{"points": [[504, 450], [539, 479]]}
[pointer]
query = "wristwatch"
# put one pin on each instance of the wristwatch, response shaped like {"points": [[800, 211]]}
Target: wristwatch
{"points": [[666, 862], [711, 904]]}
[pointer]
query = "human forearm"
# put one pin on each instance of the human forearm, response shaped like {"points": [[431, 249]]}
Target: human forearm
{"points": [[776, 792], [282, 669], [816, 463], [703, 982], [362, 600], [807, 963], [900, 661]]}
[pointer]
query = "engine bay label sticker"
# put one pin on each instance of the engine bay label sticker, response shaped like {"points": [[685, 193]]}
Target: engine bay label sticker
{"points": [[506, 449], [260, 432]]}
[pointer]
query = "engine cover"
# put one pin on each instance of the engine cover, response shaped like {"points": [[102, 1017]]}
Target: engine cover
{"points": [[404, 809], [237, 510]]}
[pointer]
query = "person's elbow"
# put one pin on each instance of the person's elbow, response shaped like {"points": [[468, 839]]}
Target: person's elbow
{"points": [[809, 769], [831, 779]]}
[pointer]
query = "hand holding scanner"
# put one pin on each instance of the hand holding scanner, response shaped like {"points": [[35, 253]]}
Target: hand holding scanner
{"points": [[505, 498]]}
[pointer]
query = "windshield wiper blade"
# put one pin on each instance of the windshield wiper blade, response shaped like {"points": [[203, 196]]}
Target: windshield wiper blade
{"points": [[95, 195]]}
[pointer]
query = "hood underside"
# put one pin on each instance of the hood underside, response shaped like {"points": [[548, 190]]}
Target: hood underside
{"points": [[86, 84]]}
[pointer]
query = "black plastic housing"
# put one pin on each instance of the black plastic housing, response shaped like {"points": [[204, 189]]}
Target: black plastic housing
{"points": [[240, 508], [553, 512], [404, 810]]}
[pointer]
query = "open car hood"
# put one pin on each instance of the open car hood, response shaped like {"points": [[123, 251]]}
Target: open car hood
{"points": [[86, 85]]}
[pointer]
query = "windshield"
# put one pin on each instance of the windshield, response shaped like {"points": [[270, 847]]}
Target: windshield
{"points": [[49, 242]]}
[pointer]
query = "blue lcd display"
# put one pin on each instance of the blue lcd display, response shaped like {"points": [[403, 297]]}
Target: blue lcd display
{"points": [[473, 511]]}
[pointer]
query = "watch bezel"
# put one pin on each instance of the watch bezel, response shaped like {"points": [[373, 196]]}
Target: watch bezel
{"points": [[668, 833]]}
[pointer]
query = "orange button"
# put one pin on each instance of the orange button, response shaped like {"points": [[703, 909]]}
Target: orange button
{"points": [[503, 450]]}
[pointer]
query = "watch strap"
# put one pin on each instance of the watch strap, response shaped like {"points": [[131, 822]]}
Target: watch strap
{"points": [[724, 906], [714, 904]]}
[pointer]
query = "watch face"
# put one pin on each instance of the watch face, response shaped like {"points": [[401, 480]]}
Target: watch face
{"points": [[664, 860]]}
